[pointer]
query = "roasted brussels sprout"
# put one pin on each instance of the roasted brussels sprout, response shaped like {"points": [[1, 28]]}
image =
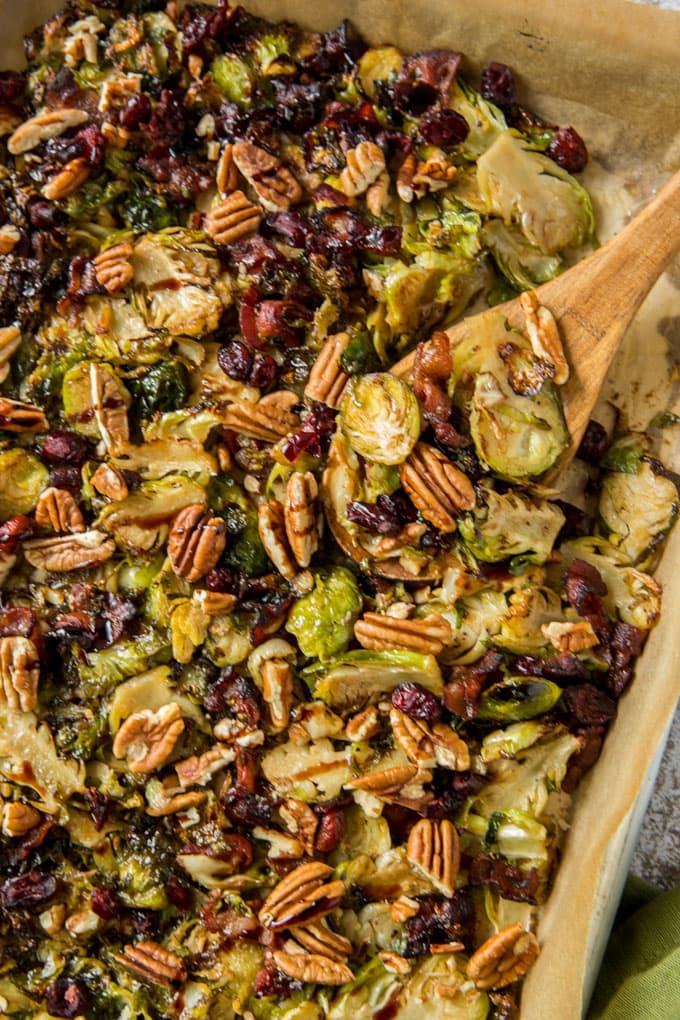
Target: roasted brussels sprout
{"points": [[524, 264], [637, 509], [349, 681], [323, 621], [163, 387], [22, 479], [509, 524], [380, 415], [517, 698]]}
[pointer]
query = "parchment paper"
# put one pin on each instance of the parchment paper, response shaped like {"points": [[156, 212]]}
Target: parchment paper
{"points": [[610, 69]]}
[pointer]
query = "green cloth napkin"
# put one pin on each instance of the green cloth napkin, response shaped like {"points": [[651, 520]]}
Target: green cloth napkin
{"points": [[640, 974]]}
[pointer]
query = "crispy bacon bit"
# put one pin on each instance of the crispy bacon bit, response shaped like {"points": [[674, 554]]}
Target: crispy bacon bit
{"points": [[431, 373], [511, 882]]}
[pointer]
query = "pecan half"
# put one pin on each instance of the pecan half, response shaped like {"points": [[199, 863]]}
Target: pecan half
{"points": [[109, 400], [503, 958], [196, 542], [394, 963], [69, 552], [70, 177], [110, 482], [328, 379], [277, 691], [301, 516], [200, 769], [10, 341], [267, 422], [16, 416], [45, 125], [252, 160], [544, 335], [226, 174], [316, 937], [18, 818], [301, 821], [402, 784], [433, 849], [232, 218], [147, 739], [403, 908], [365, 164], [378, 195], [364, 725], [570, 637], [112, 267], [428, 746], [19, 673], [282, 847], [271, 524], [427, 635], [275, 185], [153, 963], [58, 511], [436, 486], [311, 968], [9, 238], [301, 896]]}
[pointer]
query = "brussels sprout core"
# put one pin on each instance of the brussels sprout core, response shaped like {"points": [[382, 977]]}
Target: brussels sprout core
{"points": [[380, 416]]}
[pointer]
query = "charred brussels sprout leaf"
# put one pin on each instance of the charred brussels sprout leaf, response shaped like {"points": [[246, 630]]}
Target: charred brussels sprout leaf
{"points": [[380, 416], [164, 387], [518, 698], [144, 210], [323, 621]]}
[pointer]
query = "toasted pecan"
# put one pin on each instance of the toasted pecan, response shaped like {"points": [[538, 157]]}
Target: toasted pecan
{"points": [[437, 487], [427, 635], [433, 849], [503, 958]]}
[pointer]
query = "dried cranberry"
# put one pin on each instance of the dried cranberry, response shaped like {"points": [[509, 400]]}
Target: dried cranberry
{"points": [[416, 701], [105, 903], [577, 523], [178, 894], [66, 477], [330, 832], [11, 86], [452, 789], [67, 998], [136, 111], [29, 890], [568, 150], [17, 622], [383, 241], [444, 127], [498, 84], [235, 360], [99, 804], [14, 531], [335, 53], [61, 446], [423, 79], [263, 372], [292, 226], [588, 705], [314, 435], [387, 516], [511, 882], [168, 122], [90, 145], [226, 579], [297, 105], [269, 982], [43, 215], [594, 444], [247, 809], [625, 644], [439, 921]]}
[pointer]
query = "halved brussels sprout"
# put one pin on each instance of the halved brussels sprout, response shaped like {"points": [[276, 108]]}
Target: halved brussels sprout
{"points": [[528, 609], [139, 520], [232, 76], [351, 680], [637, 509], [53, 778], [517, 698], [511, 524], [522, 263], [632, 595], [323, 621], [526, 187], [508, 742], [517, 835], [160, 457], [378, 64], [311, 772], [22, 479], [380, 415]]}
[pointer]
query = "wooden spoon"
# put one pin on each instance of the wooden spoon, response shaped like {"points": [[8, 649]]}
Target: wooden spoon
{"points": [[595, 301]]}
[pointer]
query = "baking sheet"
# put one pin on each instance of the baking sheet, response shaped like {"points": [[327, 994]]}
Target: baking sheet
{"points": [[610, 69]]}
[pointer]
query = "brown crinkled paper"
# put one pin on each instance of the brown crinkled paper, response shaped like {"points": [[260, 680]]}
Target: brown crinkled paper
{"points": [[610, 69]]}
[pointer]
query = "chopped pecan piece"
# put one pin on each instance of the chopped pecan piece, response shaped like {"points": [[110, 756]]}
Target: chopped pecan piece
{"points": [[378, 195], [70, 177], [109, 400], [365, 164], [226, 174], [316, 937], [301, 821], [232, 218], [277, 691], [69, 552], [200, 769], [428, 746], [407, 171], [196, 542], [260, 422], [403, 908], [48, 124], [313, 969], [433, 849], [153, 963], [19, 673], [110, 482], [16, 416], [394, 963], [503, 958], [427, 635], [402, 784], [9, 238], [544, 335], [112, 267], [147, 739], [327, 378], [10, 341], [170, 800], [301, 896], [58, 511], [271, 525], [432, 175], [282, 847], [301, 516], [214, 603], [18, 818], [436, 486], [570, 637], [364, 725]]}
